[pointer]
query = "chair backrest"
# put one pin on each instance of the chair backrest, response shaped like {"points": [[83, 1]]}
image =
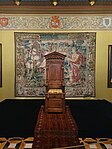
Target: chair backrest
{"points": [[54, 70]]}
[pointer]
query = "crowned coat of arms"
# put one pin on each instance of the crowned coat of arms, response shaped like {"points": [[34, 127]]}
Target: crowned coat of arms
{"points": [[55, 22]]}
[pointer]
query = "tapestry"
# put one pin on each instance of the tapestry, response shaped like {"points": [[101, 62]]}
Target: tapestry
{"points": [[79, 65]]}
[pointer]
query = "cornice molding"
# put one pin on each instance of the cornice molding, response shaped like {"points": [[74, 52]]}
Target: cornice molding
{"points": [[13, 9]]}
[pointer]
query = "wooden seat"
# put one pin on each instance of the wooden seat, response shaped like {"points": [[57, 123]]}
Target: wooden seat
{"points": [[52, 91], [55, 88]]}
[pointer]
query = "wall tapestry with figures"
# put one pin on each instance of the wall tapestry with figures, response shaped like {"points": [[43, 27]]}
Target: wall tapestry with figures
{"points": [[79, 68]]}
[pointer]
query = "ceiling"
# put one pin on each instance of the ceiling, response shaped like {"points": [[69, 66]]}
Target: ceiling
{"points": [[64, 7]]}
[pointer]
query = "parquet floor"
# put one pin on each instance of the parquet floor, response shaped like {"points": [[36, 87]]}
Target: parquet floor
{"points": [[26, 143]]}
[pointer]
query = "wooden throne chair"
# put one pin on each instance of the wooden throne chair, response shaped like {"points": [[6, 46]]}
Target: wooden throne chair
{"points": [[55, 88]]}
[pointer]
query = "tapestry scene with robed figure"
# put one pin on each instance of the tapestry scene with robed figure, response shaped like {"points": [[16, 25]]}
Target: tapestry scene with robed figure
{"points": [[79, 64]]}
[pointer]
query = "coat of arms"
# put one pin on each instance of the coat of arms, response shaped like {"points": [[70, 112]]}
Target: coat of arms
{"points": [[106, 22], [4, 21], [55, 22]]}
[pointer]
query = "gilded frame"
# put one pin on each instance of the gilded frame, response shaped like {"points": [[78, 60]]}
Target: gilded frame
{"points": [[0, 65], [110, 66]]}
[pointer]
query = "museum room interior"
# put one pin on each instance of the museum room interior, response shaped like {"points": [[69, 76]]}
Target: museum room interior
{"points": [[55, 74]]}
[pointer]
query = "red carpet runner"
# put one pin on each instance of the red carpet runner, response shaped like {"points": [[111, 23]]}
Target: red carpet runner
{"points": [[55, 130]]}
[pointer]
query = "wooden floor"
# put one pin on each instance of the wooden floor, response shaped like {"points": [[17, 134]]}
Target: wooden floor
{"points": [[26, 143], [17, 124], [54, 130]]}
